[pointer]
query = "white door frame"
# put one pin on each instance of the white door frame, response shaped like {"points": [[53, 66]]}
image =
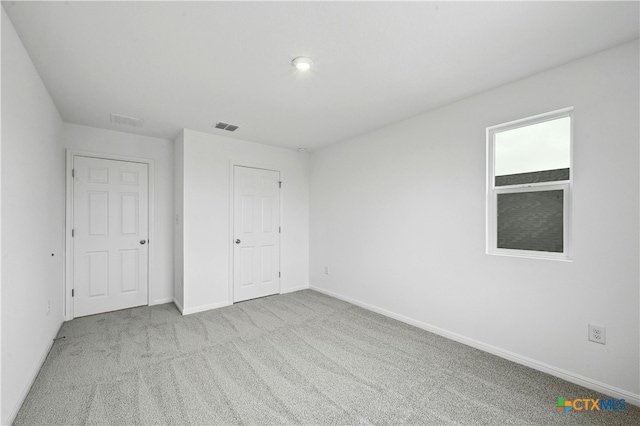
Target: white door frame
{"points": [[232, 165], [68, 272]]}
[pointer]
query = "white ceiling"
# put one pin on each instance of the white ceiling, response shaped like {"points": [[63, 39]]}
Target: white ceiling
{"points": [[189, 64]]}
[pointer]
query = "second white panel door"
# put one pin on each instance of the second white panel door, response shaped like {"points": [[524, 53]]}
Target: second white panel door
{"points": [[256, 226]]}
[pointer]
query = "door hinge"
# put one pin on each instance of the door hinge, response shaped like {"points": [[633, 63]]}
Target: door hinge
{"points": [[279, 230], [73, 233], [73, 172], [72, 292], [280, 184], [279, 275]]}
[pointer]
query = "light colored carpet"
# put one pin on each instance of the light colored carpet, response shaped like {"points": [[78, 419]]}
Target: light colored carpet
{"points": [[298, 358]]}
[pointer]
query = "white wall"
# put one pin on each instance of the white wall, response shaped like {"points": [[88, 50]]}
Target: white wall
{"points": [[398, 215], [32, 222], [161, 152], [178, 212], [207, 235]]}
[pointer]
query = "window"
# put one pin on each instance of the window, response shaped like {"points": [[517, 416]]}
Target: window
{"points": [[529, 186]]}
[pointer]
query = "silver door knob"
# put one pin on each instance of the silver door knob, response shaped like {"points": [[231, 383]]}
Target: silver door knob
{"points": [[143, 241], [238, 241]]}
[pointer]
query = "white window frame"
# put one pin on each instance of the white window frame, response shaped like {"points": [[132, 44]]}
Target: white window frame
{"points": [[493, 191]]}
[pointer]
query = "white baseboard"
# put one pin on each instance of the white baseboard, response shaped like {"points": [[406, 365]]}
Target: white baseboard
{"points": [[32, 379], [604, 388], [179, 306], [291, 290], [161, 301], [204, 308]]}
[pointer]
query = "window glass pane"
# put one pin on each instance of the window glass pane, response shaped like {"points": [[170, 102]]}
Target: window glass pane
{"points": [[531, 221], [536, 153]]}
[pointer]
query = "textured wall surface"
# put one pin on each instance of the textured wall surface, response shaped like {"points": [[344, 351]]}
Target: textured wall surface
{"points": [[32, 221]]}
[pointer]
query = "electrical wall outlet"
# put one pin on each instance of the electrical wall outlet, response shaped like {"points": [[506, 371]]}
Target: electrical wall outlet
{"points": [[597, 333], [326, 270]]}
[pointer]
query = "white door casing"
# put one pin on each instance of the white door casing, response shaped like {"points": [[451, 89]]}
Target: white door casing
{"points": [[110, 235], [256, 233]]}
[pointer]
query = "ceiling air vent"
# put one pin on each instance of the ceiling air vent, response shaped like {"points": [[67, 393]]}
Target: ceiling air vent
{"points": [[127, 121], [225, 126]]}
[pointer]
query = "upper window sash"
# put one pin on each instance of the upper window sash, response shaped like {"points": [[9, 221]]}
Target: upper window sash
{"points": [[529, 121], [524, 122]]}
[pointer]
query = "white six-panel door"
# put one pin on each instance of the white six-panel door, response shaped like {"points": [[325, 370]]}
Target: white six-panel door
{"points": [[256, 226], [110, 235]]}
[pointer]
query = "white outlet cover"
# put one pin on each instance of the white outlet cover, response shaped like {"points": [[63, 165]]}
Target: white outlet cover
{"points": [[597, 334]]}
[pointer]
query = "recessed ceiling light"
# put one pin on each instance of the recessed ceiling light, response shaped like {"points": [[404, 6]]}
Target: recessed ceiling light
{"points": [[302, 63], [302, 149]]}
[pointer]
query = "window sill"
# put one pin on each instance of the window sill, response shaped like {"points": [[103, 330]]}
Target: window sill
{"points": [[542, 256]]}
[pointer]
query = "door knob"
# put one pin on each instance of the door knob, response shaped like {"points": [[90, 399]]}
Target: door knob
{"points": [[143, 241], [238, 241]]}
